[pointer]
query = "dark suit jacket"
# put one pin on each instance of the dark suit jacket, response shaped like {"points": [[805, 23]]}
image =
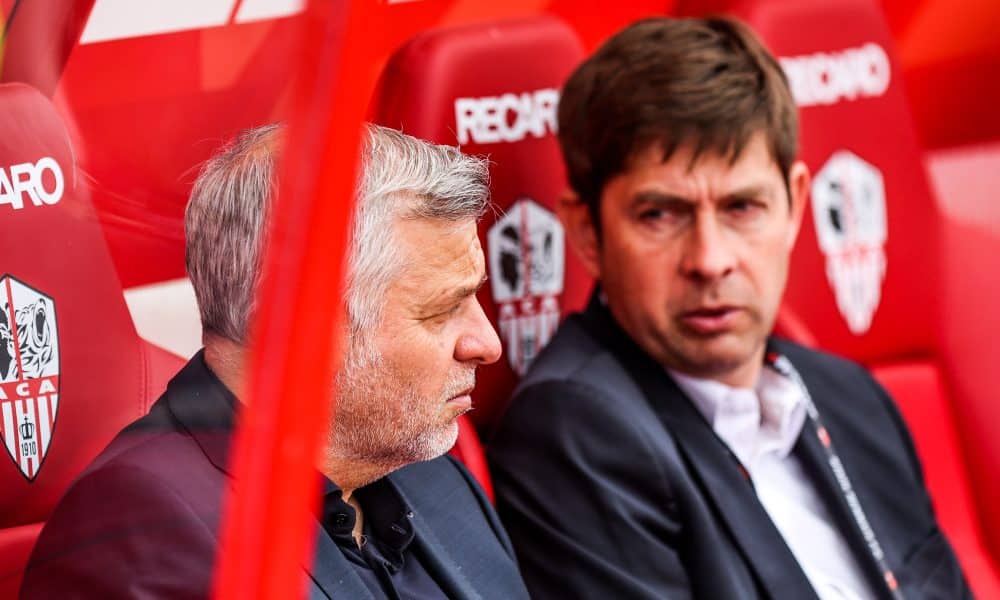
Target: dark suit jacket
{"points": [[612, 485], [142, 520]]}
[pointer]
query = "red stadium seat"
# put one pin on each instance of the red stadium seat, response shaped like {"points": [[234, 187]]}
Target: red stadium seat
{"points": [[867, 273], [493, 89], [73, 372], [965, 180]]}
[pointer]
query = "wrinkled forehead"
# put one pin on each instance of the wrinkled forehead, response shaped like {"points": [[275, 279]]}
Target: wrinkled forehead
{"points": [[437, 253], [754, 163], [693, 150]]}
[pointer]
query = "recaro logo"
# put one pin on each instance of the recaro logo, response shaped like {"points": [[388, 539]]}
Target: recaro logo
{"points": [[827, 78], [30, 179], [506, 118]]}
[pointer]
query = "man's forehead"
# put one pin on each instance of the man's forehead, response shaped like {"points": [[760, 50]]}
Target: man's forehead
{"points": [[440, 257], [438, 243], [753, 167], [693, 153]]}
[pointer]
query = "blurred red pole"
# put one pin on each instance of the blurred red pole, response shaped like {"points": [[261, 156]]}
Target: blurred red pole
{"points": [[267, 528]]}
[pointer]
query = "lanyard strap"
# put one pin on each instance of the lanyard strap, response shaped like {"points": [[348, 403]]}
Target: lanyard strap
{"points": [[782, 365]]}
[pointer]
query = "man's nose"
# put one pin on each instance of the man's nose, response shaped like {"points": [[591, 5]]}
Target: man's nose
{"points": [[708, 255], [479, 343]]}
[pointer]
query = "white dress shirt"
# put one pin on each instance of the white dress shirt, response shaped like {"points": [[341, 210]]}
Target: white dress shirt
{"points": [[761, 426]]}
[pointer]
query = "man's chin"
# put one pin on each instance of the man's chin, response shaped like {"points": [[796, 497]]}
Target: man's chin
{"points": [[438, 442], [717, 356], [449, 436], [427, 444]]}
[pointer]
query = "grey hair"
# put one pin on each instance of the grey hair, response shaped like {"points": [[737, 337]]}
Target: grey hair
{"points": [[225, 224], [401, 177]]}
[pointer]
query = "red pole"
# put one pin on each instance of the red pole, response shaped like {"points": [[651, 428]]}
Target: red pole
{"points": [[267, 530]]}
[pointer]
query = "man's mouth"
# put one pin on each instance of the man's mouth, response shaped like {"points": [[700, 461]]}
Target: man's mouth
{"points": [[462, 400], [710, 320]]}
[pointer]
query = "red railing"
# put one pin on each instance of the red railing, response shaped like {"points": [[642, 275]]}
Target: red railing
{"points": [[267, 530]]}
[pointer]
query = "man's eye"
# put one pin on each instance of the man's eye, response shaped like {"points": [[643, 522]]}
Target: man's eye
{"points": [[744, 207], [651, 214], [655, 214], [445, 314]]}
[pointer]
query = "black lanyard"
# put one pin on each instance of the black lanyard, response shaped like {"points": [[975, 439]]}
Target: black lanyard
{"points": [[784, 366]]}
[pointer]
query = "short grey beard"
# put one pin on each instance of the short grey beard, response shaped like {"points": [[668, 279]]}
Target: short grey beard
{"points": [[357, 440]]}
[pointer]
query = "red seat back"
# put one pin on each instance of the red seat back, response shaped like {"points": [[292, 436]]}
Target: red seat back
{"points": [[493, 90], [73, 372], [866, 270], [965, 179]]}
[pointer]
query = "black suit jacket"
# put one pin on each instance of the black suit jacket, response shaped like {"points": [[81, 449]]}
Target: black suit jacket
{"points": [[142, 520], [612, 484]]}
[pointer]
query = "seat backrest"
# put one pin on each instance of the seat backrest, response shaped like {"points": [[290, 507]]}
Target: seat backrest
{"points": [[965, 180], [73, 372], [493, 89], [865, 271]]}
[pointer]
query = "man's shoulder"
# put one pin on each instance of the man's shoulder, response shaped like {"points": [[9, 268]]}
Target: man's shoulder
{"points": [[854, 404], [169, 442], [578, 399], [827, 374], [155, 443], [577, 355], [425, 483], [575, 369], [444, 495], [573, 354], [576, 382], [144, 510], [817, 361], [155, 464], [143, 513]]}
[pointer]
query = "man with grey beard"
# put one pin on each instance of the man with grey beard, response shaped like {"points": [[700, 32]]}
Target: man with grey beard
{"points": [[397, 519]]}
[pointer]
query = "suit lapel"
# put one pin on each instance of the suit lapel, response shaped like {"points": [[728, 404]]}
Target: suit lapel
{"points": [[440, 565], [436, 559], [728, 487], [814, 460], [332, 572], [721, 477], [204, 407]]}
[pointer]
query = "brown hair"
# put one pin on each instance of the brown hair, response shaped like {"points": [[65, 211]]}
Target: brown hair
{"points": [[669, 82]]}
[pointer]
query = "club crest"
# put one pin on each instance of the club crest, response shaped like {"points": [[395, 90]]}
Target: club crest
{"points": [[848, 201], [527, 260], [29, 374]]}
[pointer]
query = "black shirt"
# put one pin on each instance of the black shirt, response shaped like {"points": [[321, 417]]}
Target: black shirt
{"points": [[388, 561]]}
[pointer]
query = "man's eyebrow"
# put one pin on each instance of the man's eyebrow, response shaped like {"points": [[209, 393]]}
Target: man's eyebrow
{"points": [[750, 191], [658, 197], [459, 294], [466, 291]]}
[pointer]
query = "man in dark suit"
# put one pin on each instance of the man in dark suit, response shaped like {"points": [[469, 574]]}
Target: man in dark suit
{"points": [[664, 445], [397, 519]]}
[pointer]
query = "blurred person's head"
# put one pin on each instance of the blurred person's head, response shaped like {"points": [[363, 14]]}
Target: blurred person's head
{"points": [[680, 138], [414, 333]]}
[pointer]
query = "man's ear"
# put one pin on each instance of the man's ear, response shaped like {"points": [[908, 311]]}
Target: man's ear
{"points": [[799, 182], [576, 219]]}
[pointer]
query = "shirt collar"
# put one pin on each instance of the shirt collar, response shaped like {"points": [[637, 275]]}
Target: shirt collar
{"points": [[767, 418], [387, 517]]}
